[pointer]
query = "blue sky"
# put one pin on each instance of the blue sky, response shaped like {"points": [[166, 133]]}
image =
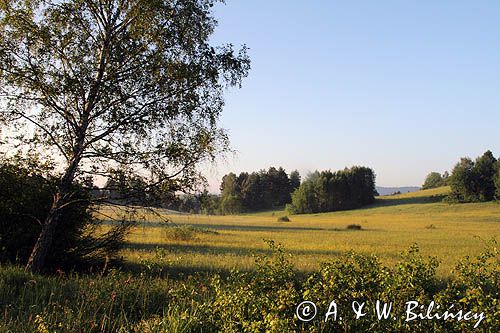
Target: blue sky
{"points": [[404, 87]]}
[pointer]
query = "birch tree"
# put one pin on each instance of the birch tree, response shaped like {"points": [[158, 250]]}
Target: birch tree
{"points": [[99, 83]]}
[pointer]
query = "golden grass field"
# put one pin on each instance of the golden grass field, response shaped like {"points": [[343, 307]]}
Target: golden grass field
{"points": [[447, 231]]}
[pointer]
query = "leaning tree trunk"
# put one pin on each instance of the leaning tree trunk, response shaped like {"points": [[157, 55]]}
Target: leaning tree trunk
{"points": [[37, 260]]}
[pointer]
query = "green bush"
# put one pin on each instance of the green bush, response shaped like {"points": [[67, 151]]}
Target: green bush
{"points": [[185, 233], [476, 286], [261, 301], [25, 200], [180, 233]]}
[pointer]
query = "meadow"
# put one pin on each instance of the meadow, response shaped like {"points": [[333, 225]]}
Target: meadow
{"points": [[199, 273], [189, 243]]}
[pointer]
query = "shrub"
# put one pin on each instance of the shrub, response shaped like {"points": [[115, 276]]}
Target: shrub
{"points": [[262, 301], [475, 287], [353, 227], [180, 233], [25, 200], [283, 219], [185, 233]]}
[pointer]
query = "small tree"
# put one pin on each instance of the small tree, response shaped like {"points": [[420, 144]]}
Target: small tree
{"points": [[230, 202], [94, 84], [433, 180], [462, 181], [210, 203]]}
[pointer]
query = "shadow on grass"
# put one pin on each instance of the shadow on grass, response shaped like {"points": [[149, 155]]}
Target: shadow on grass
{"points": [[228, 227], [237, 227], [254, 227], [219, 250], [179, 271], [407, 201]]}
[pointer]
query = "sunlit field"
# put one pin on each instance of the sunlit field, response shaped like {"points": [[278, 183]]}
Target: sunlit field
{"points": [[191, 243]]}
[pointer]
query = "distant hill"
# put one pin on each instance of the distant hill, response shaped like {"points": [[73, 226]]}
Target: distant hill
{"points": [[390, 190]]}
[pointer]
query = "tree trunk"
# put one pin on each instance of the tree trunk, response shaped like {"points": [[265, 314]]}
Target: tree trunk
{"points": [[37, 260]]}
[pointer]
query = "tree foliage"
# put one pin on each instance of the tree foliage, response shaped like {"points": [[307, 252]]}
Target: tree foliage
{"points": [[473, 181], [230, 194], [435, 179], [330, 191], [95, 84], [265, 189], [294, 180], [496, 180], [485, 169]]}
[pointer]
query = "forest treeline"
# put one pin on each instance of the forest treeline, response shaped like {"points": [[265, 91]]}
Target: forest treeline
{"points": [[321, 191], [246, 192], [475, 181], [470, 180]]}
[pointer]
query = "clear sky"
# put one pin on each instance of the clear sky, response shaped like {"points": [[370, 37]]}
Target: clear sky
{"points": [[404, 87]]}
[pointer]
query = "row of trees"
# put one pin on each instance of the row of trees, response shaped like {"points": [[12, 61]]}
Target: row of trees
{"points": [[476, 181], [274, 188], [257, 190], [330, 191], [199, 203], [265, 189]]}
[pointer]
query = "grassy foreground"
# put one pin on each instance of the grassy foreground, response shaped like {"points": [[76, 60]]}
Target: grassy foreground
{"points": [[265, 300], [220, 243]]}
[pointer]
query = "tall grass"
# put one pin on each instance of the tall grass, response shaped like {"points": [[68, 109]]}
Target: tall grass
{"points": [[262, 300]]}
